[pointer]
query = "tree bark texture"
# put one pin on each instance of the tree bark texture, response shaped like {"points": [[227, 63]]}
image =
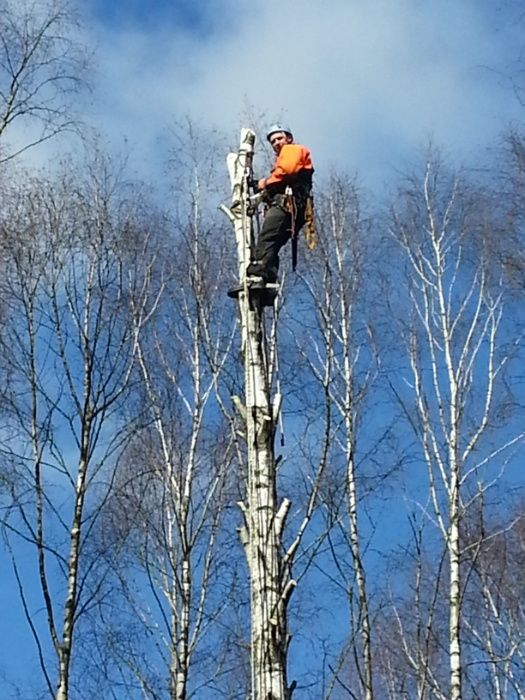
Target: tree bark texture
{"points": [[263, 519]]}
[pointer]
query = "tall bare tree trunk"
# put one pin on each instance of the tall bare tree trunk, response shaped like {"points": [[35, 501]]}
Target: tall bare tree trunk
{"points": [[347, 371], [348, 411], [65, 276], [455, 591], [261, 534], [456, 366]]}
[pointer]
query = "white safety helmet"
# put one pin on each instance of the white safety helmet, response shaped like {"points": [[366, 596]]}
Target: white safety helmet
{"points": [[278, 127]]}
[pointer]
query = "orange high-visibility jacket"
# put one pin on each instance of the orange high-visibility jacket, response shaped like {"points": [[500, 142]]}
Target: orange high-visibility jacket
{"points": [[292, 160]]}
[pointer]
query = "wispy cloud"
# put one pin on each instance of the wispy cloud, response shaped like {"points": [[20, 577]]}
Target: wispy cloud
{"points": [[361, 83]]}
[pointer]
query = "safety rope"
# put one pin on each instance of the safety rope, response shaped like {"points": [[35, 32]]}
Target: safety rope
{"points": [[310, 232]]}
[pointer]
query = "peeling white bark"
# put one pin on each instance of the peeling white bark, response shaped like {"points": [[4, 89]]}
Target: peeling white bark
{"points": [[261, 534]]}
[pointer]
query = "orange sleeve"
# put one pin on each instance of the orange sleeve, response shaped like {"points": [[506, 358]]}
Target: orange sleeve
{"points": [[292, 159]]}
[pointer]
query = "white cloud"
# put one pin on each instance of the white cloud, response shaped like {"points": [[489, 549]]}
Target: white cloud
{"points": [[359, 82]]}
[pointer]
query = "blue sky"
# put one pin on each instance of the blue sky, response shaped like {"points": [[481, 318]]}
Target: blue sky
{"points": [[365, 85]]}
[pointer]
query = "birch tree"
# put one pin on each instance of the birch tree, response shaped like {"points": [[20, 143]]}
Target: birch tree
{"points": [[279, 538], [167, 524], [457, 365], [337, 351], [261, 534], [42, 69], [506, 243], [494, 610], [69, 347]]}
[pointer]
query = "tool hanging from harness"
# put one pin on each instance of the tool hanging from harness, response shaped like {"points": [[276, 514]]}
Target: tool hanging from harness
{"points": [[310, 231]]}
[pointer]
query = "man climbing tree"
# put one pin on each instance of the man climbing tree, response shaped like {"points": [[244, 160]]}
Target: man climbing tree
{"points": [[287, 192]]}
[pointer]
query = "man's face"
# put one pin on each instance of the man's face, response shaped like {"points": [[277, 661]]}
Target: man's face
{"points": [[278, 140]]}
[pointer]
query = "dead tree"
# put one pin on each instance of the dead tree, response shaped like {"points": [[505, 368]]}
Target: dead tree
{"points": [[261, 535]]}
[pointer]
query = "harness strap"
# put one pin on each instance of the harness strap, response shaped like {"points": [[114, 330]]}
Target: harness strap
{"points": [[291, 207]]}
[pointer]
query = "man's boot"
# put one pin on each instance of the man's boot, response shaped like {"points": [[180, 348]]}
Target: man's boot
{"points": [[252, 282]]}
